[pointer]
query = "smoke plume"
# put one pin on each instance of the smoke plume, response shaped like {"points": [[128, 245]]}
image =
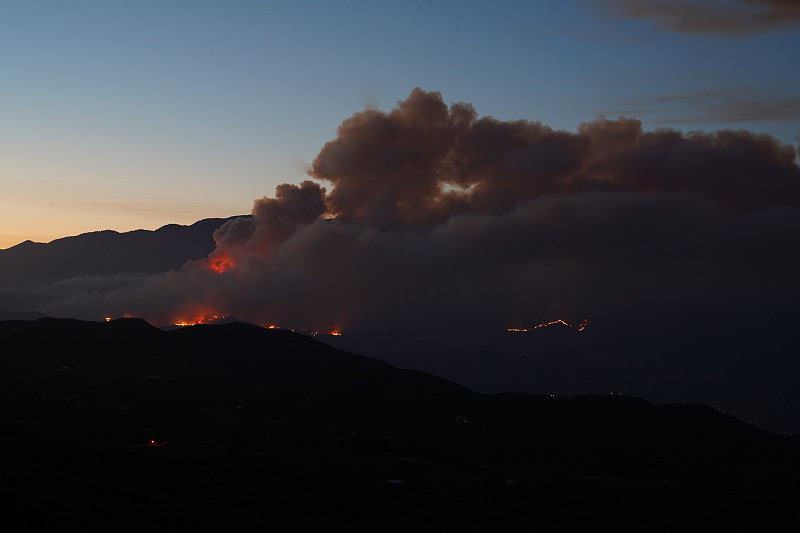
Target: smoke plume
{"points": [[431, 216]]}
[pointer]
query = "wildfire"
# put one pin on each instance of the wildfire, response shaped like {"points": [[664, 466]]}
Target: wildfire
{"points": [[202, 319], [221, 264], [314, 332], [108, 319], [580, 326]]}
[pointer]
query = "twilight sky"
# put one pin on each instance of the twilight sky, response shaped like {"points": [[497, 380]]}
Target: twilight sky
{"points": [[124, 115]]}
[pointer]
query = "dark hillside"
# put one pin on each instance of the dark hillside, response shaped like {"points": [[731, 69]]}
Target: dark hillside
{"points": [[222, 426]]}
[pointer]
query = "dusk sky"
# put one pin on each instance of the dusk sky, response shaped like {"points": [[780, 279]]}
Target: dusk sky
{"points": [[124, 115]]}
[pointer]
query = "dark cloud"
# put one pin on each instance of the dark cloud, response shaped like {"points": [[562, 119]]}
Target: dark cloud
{"points": [[715, 107], [714, 17]]}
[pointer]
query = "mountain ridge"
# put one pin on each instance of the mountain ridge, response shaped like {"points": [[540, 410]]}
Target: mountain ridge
{"points": [[107, 252]]}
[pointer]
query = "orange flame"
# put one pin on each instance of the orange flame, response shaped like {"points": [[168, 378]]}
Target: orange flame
{"points": [[199, 319], [221, 264]]}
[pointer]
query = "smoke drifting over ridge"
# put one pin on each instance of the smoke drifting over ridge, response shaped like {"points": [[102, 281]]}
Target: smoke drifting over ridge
{"points": [[430, 216]]}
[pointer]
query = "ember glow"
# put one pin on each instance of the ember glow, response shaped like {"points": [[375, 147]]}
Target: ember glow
{"points": [[580, 326], [220, 264], [201, 319]]}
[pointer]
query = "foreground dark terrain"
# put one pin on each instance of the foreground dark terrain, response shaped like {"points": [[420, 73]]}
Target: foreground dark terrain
{"points": [[121, 425]]}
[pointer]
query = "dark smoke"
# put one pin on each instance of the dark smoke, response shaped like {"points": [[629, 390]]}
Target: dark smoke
{"points": [[273, 221], [434, 217]]}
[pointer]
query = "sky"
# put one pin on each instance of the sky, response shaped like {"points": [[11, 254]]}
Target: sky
{"points": [[135, 114]]}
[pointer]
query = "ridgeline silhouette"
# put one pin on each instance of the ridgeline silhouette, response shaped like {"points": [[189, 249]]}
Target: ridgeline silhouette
{"points": [[237, 426], [107, 253]]}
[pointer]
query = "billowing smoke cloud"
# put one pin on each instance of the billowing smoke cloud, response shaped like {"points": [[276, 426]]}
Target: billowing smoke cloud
{"points": [[274, 220], [433, 217], [721, 17]]}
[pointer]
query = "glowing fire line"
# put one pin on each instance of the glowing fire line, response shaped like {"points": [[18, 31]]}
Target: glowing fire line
{"points": [[200, 320], [580, 327]]}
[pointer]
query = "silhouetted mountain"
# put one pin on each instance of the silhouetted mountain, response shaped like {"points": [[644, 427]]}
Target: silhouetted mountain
{"points": [[235, 425], [107, 252]]}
